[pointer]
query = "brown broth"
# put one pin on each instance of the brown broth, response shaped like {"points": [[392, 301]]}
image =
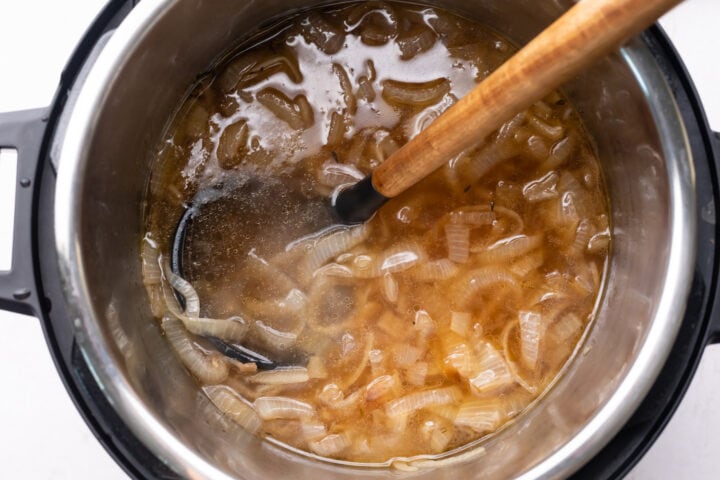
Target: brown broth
{"points": [[330, 94]]}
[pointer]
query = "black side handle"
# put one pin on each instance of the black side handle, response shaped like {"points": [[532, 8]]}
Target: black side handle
{"points": [[22, 131], [714, 332]]}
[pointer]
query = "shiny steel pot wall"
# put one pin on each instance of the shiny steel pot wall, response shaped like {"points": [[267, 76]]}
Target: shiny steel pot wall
{"points": [[113, 130]]}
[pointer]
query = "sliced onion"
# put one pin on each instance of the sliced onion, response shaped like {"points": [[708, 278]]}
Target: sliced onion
{"points": [[416, 94], [346, 87], [419, 400], [531, 331], [560, 152], [331, 445], [281, 376], [284, 108], [233, 144], [528, 263], [316, 367], [463, 360], [537, 147], [542, 110], [510, 248], [405, 354], [424, 324], [334, 270], [333, 174], [337, 128], [494, 373], [513, 217], [273, 408], [380, 386], [306, 111], [477, 416], [514, 369], [390, 288], [361, 364], [436, 434], [396, 259], [332, 396], [229, 402], [552, 132], [599, 242], [401, 258], [208, 368], [460, 322], [418, 39], [473, 216], [423, 119], [183, 287], [232, 329], [324, 35], [470, 285], [365, 89], [252, 68], [541, 189], [436, 270], [312, 429], [416, 374], [376, 357], [568, 326], [292, 305], [458, 242], [582, 236], [273, 338], [152, 275], [335, 243], [488, 158], [240, 367]]}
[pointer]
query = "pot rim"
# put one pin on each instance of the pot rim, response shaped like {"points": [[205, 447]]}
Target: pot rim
{"points": [[74, 156]]}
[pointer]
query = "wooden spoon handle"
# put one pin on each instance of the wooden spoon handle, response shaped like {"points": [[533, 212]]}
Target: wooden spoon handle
{"points": [[589, 30]]}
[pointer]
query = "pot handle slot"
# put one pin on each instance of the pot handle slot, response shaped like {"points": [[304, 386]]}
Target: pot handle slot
{"points": [[714, 332], [21, 135]]}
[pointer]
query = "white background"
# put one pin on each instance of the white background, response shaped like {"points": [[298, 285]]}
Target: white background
{"points": [[41, 434]]}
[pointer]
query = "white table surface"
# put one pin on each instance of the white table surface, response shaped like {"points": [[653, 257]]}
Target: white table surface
{"points": [[42, 436]]}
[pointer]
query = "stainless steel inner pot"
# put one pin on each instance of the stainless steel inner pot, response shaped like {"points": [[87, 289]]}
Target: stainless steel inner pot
{"points": [[113, 130]]}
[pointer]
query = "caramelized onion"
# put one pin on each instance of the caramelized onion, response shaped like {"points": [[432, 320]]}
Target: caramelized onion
{"points": [[541, 189], [253, 68], [293, 112], [416, 94]]}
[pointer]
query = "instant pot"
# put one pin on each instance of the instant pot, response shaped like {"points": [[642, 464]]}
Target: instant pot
{"points": [[83, 167]]}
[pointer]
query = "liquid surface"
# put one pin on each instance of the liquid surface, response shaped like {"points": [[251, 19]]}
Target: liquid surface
{"points": [[432, 325]]}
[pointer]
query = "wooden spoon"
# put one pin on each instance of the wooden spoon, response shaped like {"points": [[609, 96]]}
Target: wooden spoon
{"points": [[585, 33]]}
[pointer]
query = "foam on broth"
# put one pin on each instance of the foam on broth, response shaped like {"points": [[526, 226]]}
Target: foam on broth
{"points": [[427, 328]]}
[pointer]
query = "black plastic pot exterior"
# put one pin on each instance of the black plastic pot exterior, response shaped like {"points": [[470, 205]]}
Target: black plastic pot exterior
{"points": [[33, 287]]}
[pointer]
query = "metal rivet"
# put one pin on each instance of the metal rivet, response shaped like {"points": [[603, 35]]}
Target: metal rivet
{"points": [[21, 294], [25, 182]]}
